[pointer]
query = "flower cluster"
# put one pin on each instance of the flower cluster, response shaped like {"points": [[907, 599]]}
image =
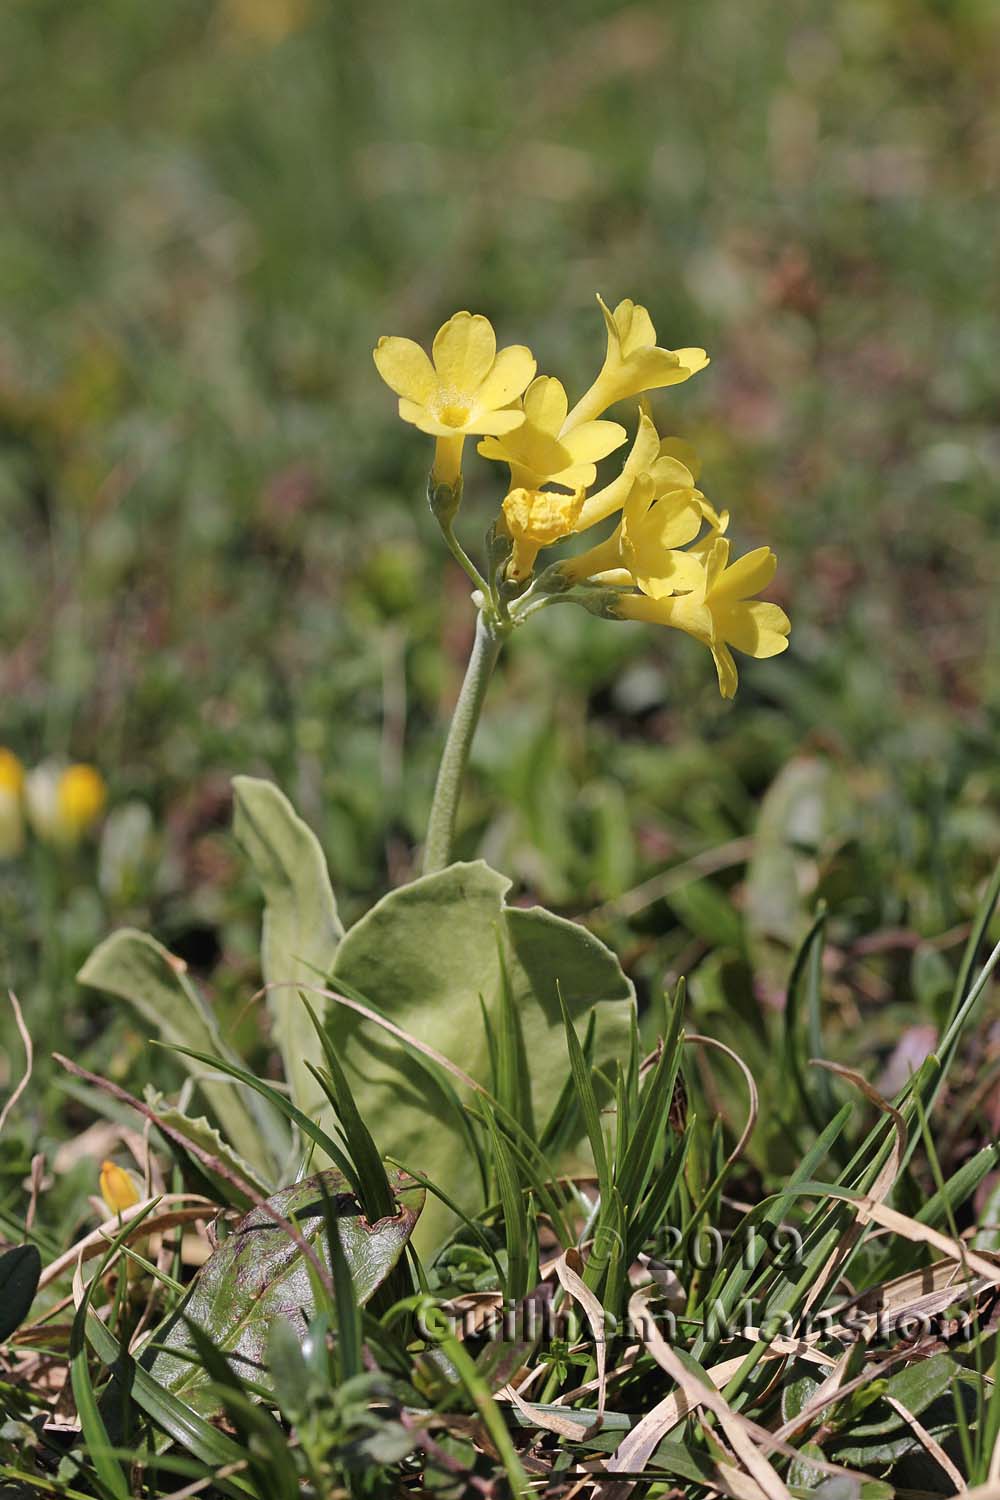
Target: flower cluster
{"points": [[60, 802], [667, 560]]}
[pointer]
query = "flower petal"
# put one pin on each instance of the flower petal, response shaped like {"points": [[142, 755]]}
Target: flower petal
{"points": [[670, 474], [512, 369], [715, 558], [592, 441], [464, 350], [692, 360], [494, 423], [649, 370], [674, 520], [726, 669], [546, 404], [756, 627], [747, 575], [405, 368], [640, 498], [611, 324], [683, 451], [576, 477], [635, 327], [645, 448], [676, 573]]}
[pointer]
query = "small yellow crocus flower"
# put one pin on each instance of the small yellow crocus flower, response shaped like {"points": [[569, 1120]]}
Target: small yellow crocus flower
{"points": [[536, 453], [634, 363], [720, 612], [11, 804], [535, 519], [117, 1188], [81, 796], [465, 387], [64, 803]]}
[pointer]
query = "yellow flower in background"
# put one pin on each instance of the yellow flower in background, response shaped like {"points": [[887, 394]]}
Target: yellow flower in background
{"points": [[267, 21], [11, 804], [634, 362], [721, 612], [117, 1188], [462, 389], [536, 453], [81, 798], [535, 519], [64, 803]]}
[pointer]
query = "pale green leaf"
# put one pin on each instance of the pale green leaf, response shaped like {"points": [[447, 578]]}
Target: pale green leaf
{"points": [[301, 927], [134, 967], [423, 956]]}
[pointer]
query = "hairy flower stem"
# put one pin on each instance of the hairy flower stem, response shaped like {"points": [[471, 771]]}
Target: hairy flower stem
{"points": [[441, 827]]}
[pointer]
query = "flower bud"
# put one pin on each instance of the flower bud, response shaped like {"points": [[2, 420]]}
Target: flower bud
{"points": [[444, 499], [117, 1188]]}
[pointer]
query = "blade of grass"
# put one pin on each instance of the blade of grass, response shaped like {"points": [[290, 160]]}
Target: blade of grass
{"points": [[348, 1313], [582, 1078], [489, 1411], [794, 1053], [109, 1473], [376, 1195], [516, 1214], [563, 1123]]}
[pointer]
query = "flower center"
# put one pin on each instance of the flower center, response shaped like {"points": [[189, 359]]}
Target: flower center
{"points": [[452, 408]]}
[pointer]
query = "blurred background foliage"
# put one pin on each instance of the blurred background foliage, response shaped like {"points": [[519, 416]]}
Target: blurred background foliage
{"points": [[216, 555]]}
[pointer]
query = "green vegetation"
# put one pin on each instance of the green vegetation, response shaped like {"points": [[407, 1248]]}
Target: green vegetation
{"points": [[218, 561]]}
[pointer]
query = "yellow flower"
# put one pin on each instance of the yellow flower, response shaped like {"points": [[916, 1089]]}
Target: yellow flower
{"points": [[117, 1188], [64, 803], [634, 362], [11, 804], [646, 543], [720, 612], [536, 519], [461, 390], [81, 797], [536, 453], [671, 463]]}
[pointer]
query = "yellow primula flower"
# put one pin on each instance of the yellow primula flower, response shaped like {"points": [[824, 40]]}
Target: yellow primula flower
{"points": [[644, 547], [11, 804], [64, 803], [117, 1188], [535, 519], [720, 612], [662, 511], [536, 453], [671, 463], [462, 389], [634, 362]]}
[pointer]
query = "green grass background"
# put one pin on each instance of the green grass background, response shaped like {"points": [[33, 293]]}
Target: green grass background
{"points": [[216, 557]]}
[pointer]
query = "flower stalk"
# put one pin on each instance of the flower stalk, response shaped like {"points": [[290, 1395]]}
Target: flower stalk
{"points": [[454, 759]]}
